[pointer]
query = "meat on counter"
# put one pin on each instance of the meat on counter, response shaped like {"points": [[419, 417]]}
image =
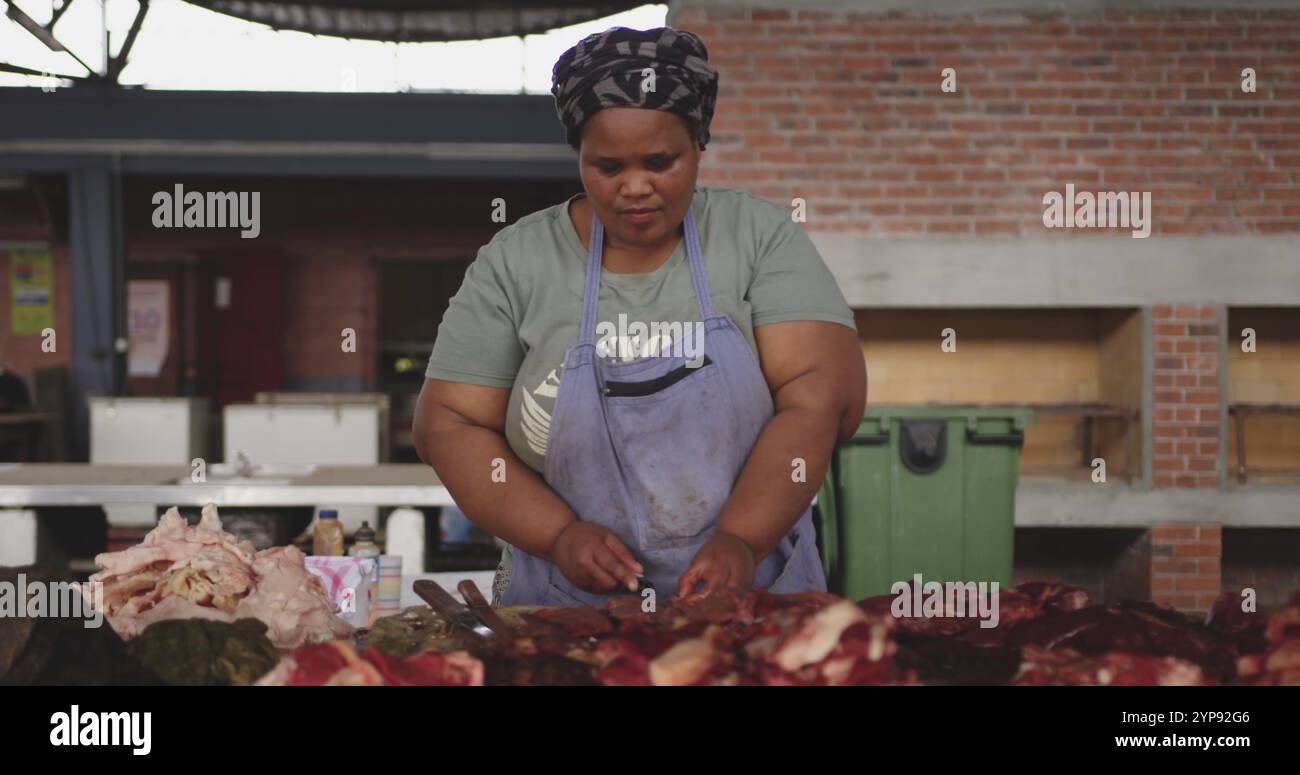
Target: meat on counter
{"points": [[338, 663], [181, 571], [201, 652]]}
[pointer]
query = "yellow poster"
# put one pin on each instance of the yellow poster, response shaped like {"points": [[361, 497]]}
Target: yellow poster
{"points": [[31, 280]]}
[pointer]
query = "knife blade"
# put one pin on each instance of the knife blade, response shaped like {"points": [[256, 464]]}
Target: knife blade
{"points": [[450, 608], [480, 607]]}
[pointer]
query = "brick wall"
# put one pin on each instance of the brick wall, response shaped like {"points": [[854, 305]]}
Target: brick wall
{"points": [[1187, 399], [845, 109], [1185, 565], [329, 289], [1178, 565]]}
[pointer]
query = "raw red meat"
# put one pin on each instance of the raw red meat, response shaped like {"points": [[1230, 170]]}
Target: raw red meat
{"points": [[1022, 603], [659, 658], [1045, 617], [1279, 667], [581, 622], [751, 637], [958, 661], [1047, 634], [920, 626], [724, 606], [837, 645], [1136, 628], [428, 669], [1041, 667], [1245, 629], [1279, 664], [540, 669], [625, 608], [625, 660], [1285, 624], [1050, 596], [337, 663]]}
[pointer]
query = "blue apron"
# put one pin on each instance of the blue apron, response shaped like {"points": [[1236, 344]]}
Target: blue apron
{"points": [[657, 469]]}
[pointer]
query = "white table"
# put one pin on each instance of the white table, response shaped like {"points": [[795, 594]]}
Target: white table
{"points": [[25, 485]]}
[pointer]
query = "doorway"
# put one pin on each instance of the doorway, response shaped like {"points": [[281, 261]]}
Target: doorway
{"points": [[241, 325]]}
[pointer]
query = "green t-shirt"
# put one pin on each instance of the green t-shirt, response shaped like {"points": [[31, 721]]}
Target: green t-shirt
{"points": [[520, 306]]}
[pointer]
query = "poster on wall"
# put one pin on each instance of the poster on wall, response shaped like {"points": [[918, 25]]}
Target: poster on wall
{"points": [[147, 326], [31, 281]]}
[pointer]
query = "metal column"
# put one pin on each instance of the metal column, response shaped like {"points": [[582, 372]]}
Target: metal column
{"points": [[98, 292]]}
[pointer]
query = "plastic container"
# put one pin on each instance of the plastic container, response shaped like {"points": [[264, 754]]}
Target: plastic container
{"points": [[364, 545], [404, 535], [923, 489], [390, 584], [363, 542], [327, 538]]}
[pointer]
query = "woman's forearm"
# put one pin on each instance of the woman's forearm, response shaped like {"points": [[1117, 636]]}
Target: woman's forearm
{"points": [[772, 491], [495, 489]]}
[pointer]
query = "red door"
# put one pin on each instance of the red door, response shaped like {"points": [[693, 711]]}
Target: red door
{"points": [[241, 344]]}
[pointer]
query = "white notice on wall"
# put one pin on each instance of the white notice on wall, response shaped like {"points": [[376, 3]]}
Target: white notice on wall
{"points": [[222, 299], [147, 325]]}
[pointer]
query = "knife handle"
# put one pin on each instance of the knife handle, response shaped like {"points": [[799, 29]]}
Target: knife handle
{"points": [[470, 591], [436, 597]]}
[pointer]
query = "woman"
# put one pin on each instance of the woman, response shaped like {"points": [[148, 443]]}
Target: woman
{"points": [[569, 406]]}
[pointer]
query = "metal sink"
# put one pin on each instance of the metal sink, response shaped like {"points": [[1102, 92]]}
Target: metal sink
{"points": [[263, 473]]}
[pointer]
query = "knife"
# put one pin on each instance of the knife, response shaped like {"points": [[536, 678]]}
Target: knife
{"points": [[450, 608], [479, 606], [642, 584]]}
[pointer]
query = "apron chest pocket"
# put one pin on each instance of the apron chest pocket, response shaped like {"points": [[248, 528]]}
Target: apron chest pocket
{"points": [[652, 386]]}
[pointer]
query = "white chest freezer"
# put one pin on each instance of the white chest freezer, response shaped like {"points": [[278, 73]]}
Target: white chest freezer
{"points": [[318, 434], [145, 431]]}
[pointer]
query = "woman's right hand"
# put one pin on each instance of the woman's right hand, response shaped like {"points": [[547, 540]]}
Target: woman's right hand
{"points": [[592, 558]]}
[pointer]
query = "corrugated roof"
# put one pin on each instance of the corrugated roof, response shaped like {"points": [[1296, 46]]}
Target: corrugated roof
{"points": [[418, 20]]}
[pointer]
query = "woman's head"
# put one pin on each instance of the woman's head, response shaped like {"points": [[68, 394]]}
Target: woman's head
{"points": [[636, 105]]}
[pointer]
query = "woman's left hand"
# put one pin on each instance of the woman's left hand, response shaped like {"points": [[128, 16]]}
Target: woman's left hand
{"points": [[724, 561]]}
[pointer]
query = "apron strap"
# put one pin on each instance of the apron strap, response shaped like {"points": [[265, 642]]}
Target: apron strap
{"points": [[596, 249], [591, 296], [696, 258]]}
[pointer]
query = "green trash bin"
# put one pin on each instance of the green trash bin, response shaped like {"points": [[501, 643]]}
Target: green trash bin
{"points": [[922, 489]]}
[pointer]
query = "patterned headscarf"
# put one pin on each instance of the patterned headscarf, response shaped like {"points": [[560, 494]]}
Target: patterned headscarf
{"points": [[604, 71]]}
